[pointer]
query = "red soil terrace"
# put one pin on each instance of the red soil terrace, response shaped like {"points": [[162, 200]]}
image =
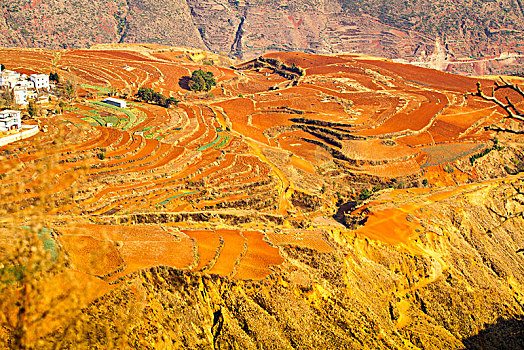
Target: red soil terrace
{"points": [[239, 151]]}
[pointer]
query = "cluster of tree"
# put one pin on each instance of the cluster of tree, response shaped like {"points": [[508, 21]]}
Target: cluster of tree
{"points": [[201, 81], [68, 90], [7, 98], [53, 76], [2, 67], [148, 95], [33, 109]]}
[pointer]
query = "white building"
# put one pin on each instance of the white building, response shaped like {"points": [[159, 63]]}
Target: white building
{"points": [[29, 85], [9, 78], [10, 120], [20, 94], [41, 81], [115, 102]]}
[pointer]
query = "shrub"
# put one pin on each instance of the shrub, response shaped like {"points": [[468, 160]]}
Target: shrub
{"points": [[496, 147], [365, 194], [448, 168]]}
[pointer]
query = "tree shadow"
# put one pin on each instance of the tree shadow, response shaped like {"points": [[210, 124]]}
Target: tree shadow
{"points": [[503, 334], [183, 82], [343, 209]]}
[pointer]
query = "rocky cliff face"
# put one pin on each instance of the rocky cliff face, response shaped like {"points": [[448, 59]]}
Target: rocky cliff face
{"points": [[463, 36], [456, 283]]}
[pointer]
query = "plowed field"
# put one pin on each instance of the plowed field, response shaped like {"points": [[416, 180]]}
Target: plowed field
{"points": [[223, 181]]}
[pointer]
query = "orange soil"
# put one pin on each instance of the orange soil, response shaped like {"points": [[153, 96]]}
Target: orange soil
{"points": [[391, 225], [233, 248], [301, 238], [376, 150], [258, 258], [302, 164], [90, 255], [141, 246], [344, 95], [207, 242]]}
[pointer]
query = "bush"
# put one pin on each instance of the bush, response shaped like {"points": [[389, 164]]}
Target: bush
{"points": [[496, 147], [68, 91], [449, 168]]}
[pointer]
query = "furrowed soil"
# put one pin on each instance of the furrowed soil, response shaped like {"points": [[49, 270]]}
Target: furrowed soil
{"points": [[306, 201]]}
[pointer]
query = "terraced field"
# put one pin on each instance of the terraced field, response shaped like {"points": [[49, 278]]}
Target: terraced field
{"points": [[224, 180]]}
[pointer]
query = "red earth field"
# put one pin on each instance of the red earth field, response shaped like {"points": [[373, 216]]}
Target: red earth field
{"points": [[221, 182]]}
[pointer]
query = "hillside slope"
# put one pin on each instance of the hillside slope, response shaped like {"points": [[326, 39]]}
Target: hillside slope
{"points": [[306, 201], [463, 36], [457, 285]]}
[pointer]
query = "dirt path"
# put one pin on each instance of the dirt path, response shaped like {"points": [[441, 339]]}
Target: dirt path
{"points": [[286, 187]]}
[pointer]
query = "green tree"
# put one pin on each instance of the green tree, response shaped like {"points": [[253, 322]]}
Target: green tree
{"points": [[2, 67], [53, 76], [145, 94], [32, 109], [62, 105], [172, 101], [201, 81], [149, 95], [159, 99], [68, 90], [7, 97]]}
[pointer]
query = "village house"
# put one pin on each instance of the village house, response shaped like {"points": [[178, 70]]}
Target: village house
{"points": [[9, 78], [115, 102], [20, 94], [41, 81], [29, 85], [10, 120]]}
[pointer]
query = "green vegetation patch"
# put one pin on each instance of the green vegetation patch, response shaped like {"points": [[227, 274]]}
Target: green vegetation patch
{"points": [[224, 141], [99, 88], [145, 129], [11, 274], [50, 244], [440, 154], [113, 119], [203, 148], [92, 121], [485, 152], [178, 195], [130, 113]]}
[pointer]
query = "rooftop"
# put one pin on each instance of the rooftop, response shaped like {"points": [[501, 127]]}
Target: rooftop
{"points": [[7, 71], [8, 113], [114, 100]]}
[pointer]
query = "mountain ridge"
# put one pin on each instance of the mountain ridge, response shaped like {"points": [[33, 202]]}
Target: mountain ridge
{"points": [[464, 37]]}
